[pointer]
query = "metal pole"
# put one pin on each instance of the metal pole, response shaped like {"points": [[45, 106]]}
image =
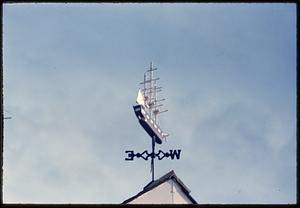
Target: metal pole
{"points": [[150, 100], [152, 157]]}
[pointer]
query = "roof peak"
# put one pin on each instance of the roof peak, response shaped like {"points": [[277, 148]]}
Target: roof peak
{"points": [[162, 179]]}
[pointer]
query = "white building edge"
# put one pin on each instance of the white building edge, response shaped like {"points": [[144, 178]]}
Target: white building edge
{"points": [[168, 189]]}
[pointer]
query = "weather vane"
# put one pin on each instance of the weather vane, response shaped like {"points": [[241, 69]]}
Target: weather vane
{"points": [[147, 111]]}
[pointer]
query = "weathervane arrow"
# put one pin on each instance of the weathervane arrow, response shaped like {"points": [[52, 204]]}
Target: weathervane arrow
{"points": [[173, 154]]}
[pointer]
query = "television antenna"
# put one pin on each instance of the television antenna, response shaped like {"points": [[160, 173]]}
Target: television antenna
{"points": [[148, 110]]}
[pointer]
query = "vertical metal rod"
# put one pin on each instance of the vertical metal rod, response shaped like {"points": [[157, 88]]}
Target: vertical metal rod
{"points": [[152, 157], [145, 83], [150, 100]]}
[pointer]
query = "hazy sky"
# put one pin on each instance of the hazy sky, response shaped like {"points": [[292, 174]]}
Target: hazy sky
{"points": [[71, 74]]}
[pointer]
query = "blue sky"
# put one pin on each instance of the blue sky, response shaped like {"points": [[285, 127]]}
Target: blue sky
{"points": [[71, 74]]}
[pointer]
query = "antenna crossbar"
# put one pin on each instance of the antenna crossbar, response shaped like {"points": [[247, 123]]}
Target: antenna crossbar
{"points": [[152, 69], [155, 106], [149, 88], [159, 112], [161, 100], [149, 80]]}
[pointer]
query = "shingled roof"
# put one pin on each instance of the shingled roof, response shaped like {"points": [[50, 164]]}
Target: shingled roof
{"points": [[166, 177]]}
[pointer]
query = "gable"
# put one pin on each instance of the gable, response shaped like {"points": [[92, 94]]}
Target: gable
{"points": [[168, 192], [168, 189]]}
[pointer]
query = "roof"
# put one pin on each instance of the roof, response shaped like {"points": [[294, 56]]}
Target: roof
{"points": [[155, 183]]}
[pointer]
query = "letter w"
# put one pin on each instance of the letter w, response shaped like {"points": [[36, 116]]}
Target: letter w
{"points": [[175, 153]]}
